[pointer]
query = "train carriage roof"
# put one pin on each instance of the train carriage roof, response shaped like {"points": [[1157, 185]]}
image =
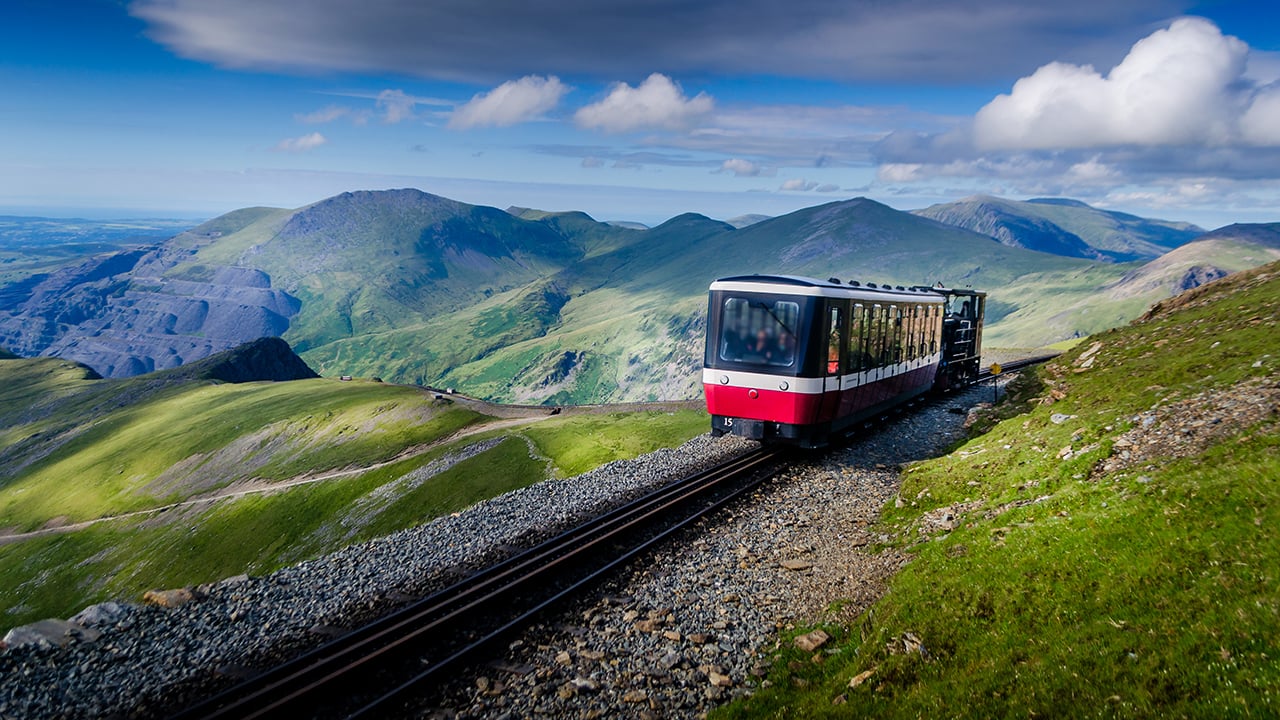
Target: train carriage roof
{"points": [[800, 285]]}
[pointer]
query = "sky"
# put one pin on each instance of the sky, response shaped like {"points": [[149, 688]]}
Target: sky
{"points": [[640, 109]]}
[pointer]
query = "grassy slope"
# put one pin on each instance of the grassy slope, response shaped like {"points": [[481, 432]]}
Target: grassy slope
{"points": [[1115, 231], [414, 288], [630, 308], [139, 443], [1054, 306], [637, 313], [1070, 588], [1108, 231]]}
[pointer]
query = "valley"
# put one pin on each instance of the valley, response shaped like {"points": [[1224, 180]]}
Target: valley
{"points": [[550, 308]]}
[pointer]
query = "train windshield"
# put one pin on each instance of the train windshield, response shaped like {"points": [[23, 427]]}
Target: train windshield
{"points": [[759, 330]]}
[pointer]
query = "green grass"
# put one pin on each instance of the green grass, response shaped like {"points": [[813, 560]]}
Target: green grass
{"points": [[1073, 591], [203, 437], [192, 437], [585, 442], [506, 467]]}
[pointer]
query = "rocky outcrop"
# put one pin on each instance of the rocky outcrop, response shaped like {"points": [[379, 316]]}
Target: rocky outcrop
{"points": [[263, 359]]}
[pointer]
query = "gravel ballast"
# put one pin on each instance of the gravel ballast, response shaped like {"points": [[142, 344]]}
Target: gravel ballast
{"points": [[685, 630], [693, 624]]}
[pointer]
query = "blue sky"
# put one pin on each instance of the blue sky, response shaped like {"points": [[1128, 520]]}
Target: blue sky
{"points": [[640, 110]]}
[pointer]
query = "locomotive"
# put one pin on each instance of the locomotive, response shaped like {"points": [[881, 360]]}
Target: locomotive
{"points": [[800, 361]]}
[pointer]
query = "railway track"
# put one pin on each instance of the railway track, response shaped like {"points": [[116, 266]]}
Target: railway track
{"points": [[1013, 365], [363, 673], [371, 670]]}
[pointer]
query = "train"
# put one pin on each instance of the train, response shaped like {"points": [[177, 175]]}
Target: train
{"points": [[802, 361]]}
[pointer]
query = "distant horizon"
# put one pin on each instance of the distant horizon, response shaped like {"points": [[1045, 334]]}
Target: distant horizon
{"points": [[1205, 220]]}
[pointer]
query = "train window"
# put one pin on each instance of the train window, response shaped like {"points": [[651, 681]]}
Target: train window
{"points": [[895, 342], [917, 337], [875, 337], [857, 340], [834, 341], [760, 331], [909, 333]]}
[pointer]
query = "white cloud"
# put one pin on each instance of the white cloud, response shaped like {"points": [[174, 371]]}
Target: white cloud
{"points": [[301, 144], [827, 188], [1093, 170], [658, 102], [512, 102], [1260, 124], [798, 184], [1179, 86], [592, 162], [901, 172], [395, 105], [740, 167]]}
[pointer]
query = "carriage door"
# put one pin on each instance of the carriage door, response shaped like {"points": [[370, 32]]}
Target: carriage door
{"points": [[834, 362]]}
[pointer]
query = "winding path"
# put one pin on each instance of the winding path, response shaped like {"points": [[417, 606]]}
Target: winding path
{"points": [[254, 487]]}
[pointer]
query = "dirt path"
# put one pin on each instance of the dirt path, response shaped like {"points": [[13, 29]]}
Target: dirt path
{"points": [[254, 486]]}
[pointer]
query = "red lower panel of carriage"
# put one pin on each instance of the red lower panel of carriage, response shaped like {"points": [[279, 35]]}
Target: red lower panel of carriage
{"points": [[792, 408]]}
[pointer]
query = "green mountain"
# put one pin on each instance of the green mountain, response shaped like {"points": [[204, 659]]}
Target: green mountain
{"points": [[523, 305], [1214, 255], [1064, 227]]}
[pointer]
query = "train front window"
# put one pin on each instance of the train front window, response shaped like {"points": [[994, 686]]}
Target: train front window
{"points": [[759, 331]]}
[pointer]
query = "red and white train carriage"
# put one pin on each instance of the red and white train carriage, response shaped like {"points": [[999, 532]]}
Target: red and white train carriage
{"points": [[799, 360]]}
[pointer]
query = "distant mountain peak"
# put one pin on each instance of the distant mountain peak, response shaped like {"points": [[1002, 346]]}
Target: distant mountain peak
{"points": [[692, 218], [747, 220], [1064, 202]]}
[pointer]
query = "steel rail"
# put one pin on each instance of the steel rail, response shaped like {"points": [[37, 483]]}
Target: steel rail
{"points": [[379, 706], [288, 685], [1014, 365], [281, 689]]}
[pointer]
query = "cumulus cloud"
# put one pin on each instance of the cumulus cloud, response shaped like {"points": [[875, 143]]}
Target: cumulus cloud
{"points": [[512, 102], [1183, 85], [1260, 124], [901, 172], [658, 102], [1094, 171], [740, 167], [827, 188], [1185, 119], [301, 144], [798, 184]]}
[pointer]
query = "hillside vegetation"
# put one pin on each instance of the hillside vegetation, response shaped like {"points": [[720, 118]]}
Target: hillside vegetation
{"points": [[557, 308], [109, 488], [1065, 227], [1107, 549]]}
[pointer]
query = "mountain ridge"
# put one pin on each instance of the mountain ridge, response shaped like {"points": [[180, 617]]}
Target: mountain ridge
{"points": [[1064, 226], [523, 304]]}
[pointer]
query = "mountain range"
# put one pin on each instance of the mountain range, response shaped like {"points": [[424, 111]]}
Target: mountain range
{"points": [[1065, 227], [540, 307]]}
